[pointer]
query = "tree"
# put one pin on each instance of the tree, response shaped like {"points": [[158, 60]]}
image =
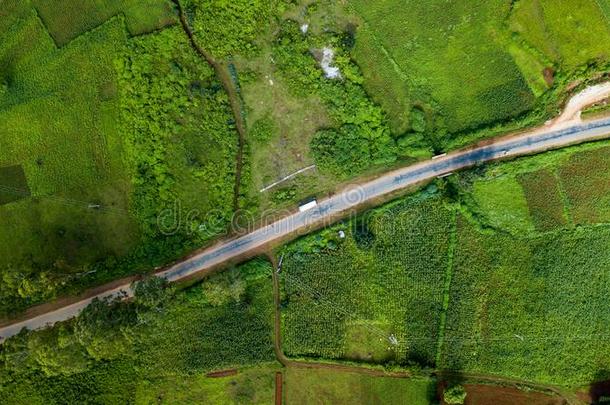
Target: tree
{"points": [[57, 351], [104, 328], [152, 292], [455, 395]]}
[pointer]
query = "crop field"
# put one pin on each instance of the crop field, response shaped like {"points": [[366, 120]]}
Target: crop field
{"points": [[544, 199], [374, 296], [585, 178], [530, 308], [70, 153], [14, 185], [162, 353], [311, 386], [67, 19], [435, 47], [503, 203], [543, 193], [569, 33]]}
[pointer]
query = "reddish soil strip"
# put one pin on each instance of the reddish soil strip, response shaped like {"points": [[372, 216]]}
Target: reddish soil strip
{"points": [[478, 394], [278, 388], [487, 394], [223, 373]]}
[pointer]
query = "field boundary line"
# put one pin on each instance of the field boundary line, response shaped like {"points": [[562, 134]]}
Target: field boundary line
{"points": [[567, 205], [446, 289]]}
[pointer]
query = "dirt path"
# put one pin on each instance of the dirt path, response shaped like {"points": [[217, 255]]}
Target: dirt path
{"points": [[587, 97], [278, 388], [224, 76]]}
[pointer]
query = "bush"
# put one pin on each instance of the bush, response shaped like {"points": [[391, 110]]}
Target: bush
{"points": [[455, 395]]}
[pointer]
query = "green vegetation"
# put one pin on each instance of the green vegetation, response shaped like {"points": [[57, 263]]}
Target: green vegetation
{"points": [[126, 159], [67, 19], [531, 303], [455, 395], [359, 137], [126, 352], [13, 184], [532, 308], [71, 154], [307, 386], [228, 28], [367, 297], [178, 144], [515, 56], [435, 47], [571, 34], [250, 386], [544, 200], [585, 180], [503, 203]]}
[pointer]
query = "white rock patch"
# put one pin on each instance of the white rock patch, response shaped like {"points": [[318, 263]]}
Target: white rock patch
{"points": [[330, 71], [304, 28]]}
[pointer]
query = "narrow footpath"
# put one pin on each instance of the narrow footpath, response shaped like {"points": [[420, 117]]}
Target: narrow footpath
{"points": [[224, 76]]}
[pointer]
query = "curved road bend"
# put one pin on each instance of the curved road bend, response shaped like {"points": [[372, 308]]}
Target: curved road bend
{"points": [[564, 134]]}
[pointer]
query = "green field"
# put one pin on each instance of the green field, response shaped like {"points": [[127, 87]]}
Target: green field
{"points": [[529, 308], [250, 386], [552, 191], [67, 19], [428, 51], [58, 123], [569, 33], [474, 64], [349, 298], [311, 386], [131, 353]]}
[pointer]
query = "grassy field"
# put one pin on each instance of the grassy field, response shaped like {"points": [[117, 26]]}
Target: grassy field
{"points": [[569, 34], [306, 386], [374, 296], [543, 193], [67, 19], [585, 179], [515, 56], [544, 199], [162, 353], [250, 386], [428, 50], [58, 122]]}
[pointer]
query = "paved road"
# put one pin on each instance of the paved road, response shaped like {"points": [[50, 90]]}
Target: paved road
{"points": [[562, 134]]}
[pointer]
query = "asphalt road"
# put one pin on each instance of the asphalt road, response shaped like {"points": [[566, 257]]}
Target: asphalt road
{"points": [[564, 134]]}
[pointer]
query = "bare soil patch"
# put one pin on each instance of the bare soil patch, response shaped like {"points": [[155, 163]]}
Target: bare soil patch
{"points": [[222, 373]]}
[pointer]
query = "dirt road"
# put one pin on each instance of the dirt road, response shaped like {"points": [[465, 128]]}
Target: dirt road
{"points": [[560, 133]]}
